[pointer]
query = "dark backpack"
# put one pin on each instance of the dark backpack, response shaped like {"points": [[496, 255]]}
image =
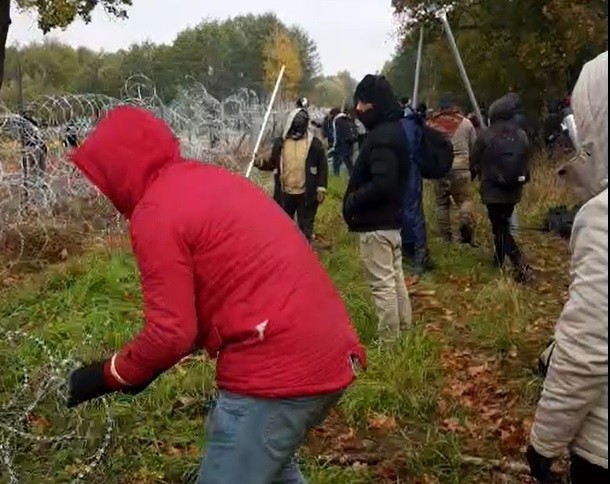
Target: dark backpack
{"points": [[505, 161], [430, 149], [437, 158], [560, 220]]}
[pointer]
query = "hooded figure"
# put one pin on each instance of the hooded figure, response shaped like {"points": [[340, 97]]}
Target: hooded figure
{"points": [[573, 409], [451, 122], [300, 166], [500, 157], [222, 268], [374, 201], [413, 234]]}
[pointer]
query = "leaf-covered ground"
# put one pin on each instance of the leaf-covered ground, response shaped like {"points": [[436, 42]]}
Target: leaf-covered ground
{"points": [[459, 386]]}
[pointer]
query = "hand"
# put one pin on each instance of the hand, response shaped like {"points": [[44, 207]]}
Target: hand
{"points": [[86, 383], [321, 196], [540, 467], [473, 175]]}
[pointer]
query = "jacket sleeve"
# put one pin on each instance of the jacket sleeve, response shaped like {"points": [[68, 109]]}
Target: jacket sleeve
{"points": [[476, 156], [472, 136], [385, 179], [578, 369], [273, 162], [322, 166], [170, 327]]}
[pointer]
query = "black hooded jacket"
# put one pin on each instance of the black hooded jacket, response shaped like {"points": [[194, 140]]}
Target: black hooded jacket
{"points": [[505, 113], [375, 194]]}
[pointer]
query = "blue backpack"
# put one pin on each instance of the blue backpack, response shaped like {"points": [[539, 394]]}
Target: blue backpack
{"points": [[431, 150]]}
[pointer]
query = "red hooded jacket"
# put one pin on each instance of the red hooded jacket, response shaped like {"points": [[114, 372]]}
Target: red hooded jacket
{"points": [[222, 268]]}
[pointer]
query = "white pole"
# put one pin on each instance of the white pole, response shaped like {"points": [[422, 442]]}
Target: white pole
{"points": [[460, 65], [420, 47], [265, 120]]}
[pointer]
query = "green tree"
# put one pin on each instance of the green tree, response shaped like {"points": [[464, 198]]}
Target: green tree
{"points": [[55, 14], [534, 46]]}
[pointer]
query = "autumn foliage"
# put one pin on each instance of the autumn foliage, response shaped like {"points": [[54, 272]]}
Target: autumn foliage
{"points": [[534, 46], [282, 50]]}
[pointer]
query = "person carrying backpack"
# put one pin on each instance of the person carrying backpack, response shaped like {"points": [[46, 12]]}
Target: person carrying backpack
{"points": [[413, 232], [500, 158], [456, 185]]}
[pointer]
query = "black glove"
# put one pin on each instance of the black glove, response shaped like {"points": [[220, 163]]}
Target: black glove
{"points": [[540, 467], [86, 383]]}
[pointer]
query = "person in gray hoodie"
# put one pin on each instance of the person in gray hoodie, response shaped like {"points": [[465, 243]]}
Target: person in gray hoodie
{"points": [[572, 413]]}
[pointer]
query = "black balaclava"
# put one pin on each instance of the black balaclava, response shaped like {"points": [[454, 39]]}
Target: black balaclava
{"points": [[377, 91], [300, 125]]}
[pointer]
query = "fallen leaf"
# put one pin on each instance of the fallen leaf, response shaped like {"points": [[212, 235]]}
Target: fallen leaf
{"points": [[382, 422]]}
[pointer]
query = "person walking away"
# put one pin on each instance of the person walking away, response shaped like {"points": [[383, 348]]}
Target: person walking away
{"points": [[373, 202], [413, 233], [301, 171], [235, 278], [346, 136], [328, 126], [572, 412], [450, 121], [500, 158]]}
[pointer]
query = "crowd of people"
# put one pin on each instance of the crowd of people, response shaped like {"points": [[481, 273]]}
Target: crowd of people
{"points": [[237, 279]]}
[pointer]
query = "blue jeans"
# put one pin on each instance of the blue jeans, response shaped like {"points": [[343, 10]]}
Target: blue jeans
{"points": [[254, 440]]}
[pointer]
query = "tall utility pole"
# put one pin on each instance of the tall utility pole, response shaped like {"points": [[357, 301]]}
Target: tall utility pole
{"points": [[420, 47]]}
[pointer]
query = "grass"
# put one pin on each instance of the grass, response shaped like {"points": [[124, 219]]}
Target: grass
{"points": [[403, 408]]}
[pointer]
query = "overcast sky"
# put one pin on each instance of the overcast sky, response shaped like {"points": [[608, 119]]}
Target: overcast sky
{"points": [[357, 35]]}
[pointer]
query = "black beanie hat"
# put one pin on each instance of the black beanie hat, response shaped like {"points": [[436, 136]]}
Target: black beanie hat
{"points": [[374, 89]]}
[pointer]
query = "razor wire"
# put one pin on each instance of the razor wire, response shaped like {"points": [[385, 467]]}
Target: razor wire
{"points": [[45, 202], [43, 195], [23, 423]]}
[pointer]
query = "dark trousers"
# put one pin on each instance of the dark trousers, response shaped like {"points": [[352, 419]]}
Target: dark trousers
{"points": [[413, 231], [305, 210], [583, 472], [342, 157], [504, 243]]}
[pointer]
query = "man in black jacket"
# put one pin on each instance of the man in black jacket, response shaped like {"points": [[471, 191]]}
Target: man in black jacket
{"points": [[299, 163], [373, 202], [500, 158]]}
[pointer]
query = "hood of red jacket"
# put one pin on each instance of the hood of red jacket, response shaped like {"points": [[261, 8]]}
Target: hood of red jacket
{"points": [[125, 153]]}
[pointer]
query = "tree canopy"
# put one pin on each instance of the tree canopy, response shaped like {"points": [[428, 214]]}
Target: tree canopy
{"points": [[224, 56], [535, 47], [54, 14]]}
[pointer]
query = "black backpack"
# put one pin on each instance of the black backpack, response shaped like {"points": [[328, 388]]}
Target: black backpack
{"points": [[505, 161], [437, 158]]}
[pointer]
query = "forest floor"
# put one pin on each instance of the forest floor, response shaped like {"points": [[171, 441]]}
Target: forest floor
{"points": [[451, 402]]}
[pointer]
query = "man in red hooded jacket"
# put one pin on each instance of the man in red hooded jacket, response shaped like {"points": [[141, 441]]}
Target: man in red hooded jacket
{"points": [[222, 268]]}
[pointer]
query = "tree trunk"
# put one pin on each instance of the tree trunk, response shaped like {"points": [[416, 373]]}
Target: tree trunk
{"points": [[5, 22]]}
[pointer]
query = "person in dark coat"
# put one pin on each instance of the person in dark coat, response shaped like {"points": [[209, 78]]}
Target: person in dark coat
{"points": [[500, 198], [374, 201], [301, 171], [346, 137], [413, 234]]}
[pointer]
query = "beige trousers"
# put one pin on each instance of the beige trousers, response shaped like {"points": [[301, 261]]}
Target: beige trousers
{"points": [[382, 260]]}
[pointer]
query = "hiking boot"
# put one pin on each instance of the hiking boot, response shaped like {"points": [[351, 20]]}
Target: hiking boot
{"points": [[422, 262], [467, 236], [524, 274]]}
